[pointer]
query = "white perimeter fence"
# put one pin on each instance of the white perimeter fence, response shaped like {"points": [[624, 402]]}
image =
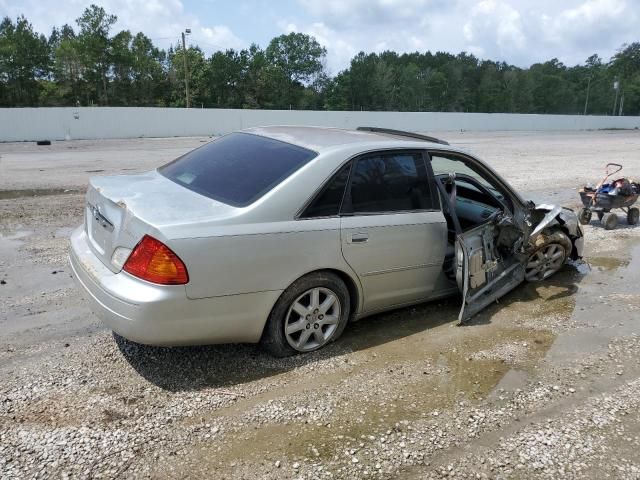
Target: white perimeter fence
{"points": [[29, 124]]}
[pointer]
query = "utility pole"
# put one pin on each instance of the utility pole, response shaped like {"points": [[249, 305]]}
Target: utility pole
{"points": [[186, 65], [586, 101], [616, 87]]}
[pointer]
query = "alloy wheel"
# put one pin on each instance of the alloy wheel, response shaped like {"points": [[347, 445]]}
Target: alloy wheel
{"points": [[545, 262], [312, 319]]}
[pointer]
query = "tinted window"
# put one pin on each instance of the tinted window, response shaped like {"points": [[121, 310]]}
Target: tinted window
{"points": [[328, 202], [390, 183], [237, 169]]}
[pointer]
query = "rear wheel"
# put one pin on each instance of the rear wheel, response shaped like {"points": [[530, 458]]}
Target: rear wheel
{"points": [[584, 216], [633, 215], [552, 251], [311, 313], [610, 221]]}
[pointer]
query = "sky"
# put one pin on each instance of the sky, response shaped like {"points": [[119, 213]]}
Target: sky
{"points": [[520, 32]]}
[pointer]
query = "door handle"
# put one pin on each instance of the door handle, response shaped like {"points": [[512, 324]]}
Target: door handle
{"points": [[359, 238]]}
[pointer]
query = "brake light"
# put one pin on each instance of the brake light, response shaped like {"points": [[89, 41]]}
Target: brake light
{"points": [[153, 261]]}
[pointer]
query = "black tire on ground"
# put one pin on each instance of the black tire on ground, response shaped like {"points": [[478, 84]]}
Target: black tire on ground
{"points": [[610, 221], [273, 337], [584, 216], [633, 215], [546, 238], [43, 142]]}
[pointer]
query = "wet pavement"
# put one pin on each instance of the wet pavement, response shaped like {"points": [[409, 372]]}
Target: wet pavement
{"points": [[551, 368]]}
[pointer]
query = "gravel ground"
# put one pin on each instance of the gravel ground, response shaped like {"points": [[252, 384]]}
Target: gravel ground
{"points": [[544, 384]]}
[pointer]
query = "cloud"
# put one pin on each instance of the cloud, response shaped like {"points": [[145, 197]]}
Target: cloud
{"points": [[161, 20], [495, 22], [220, 37], [341, 13], [590, 22], [520, 32]]}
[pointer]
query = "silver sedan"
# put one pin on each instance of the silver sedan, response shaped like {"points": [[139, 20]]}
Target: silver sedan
{"points": [[281, 235]]}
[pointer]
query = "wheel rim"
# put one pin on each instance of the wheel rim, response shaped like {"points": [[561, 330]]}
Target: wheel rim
{"points": [[545, 262], [312, 319]]}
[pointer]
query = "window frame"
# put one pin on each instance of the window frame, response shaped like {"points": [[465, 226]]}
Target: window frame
{"points": [[347, 205], [507, 190], [300, 215]]}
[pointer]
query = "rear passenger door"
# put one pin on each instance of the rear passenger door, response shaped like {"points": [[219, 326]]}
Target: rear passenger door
{"points": [[393, 233]]}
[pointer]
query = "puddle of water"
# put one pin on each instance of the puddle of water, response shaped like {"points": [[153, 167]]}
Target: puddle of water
{"points": [[608, 263], [9, 234], [35, 192], [450, 375], [606, 306]]}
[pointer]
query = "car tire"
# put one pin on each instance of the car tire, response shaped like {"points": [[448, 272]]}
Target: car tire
{"points": [[288, 332], [633, 215], [610, 221], [584, 216], [553, 247]]}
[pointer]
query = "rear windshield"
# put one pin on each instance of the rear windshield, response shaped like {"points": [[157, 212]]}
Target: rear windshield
{"points": [[237, 169]]}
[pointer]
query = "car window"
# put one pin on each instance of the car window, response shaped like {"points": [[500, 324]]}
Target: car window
{"points": [[237, 169], [328, 202], [390, 183], [444, 165]]}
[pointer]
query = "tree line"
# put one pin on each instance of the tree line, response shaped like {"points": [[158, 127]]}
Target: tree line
{"points": [[92, 65]]}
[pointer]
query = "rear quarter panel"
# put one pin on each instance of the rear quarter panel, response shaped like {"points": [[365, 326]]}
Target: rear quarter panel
{"points": [[260, 257]]}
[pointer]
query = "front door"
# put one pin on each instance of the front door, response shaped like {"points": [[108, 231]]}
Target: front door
{"points": [[488, 240], [393, 233], [483, 276]]}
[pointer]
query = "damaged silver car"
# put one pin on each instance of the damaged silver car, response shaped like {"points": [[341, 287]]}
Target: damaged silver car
{"points": [[281, 235]]}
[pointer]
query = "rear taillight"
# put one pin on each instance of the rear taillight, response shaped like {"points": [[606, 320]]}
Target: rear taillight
{"points": [[153, 261]]}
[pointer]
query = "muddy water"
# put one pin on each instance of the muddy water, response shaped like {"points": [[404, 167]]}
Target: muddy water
{"points": [[409, 365], [416, 362], [607, 305], [35, 192]]}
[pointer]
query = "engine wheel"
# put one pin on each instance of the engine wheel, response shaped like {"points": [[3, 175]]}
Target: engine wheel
{"points": [[584, 216], [633, 215], [311, 313], [610, 221], [553, 249]]}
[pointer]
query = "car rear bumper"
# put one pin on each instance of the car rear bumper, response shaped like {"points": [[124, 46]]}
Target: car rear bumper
{"points": [[162, 314]]}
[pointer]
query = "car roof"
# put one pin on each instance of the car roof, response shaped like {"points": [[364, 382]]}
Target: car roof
{"points": [[324, 138]]}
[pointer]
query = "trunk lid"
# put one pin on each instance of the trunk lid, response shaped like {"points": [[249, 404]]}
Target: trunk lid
{"points": [[121, 209]]}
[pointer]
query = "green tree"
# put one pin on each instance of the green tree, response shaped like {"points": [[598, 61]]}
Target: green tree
{"points": [[626, 65], [94, 46], [300, 59], [24, 61]]}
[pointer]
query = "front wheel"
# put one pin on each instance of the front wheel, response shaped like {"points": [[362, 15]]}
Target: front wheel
{"points": [[552, 250], [311, 313]]}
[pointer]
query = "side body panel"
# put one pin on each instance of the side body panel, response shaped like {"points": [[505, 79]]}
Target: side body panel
{"points": [[269, 258], [397, 257]]}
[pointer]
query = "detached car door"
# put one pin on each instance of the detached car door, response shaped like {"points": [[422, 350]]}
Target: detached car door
{"points": [[393, 233]]}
